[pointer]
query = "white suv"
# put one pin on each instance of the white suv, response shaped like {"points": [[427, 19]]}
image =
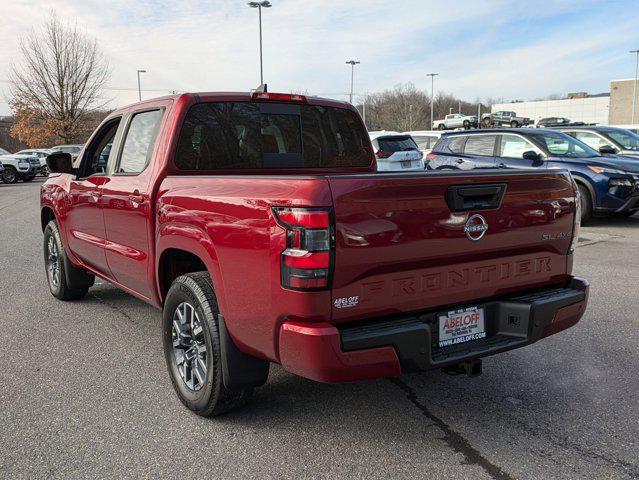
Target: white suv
{"points": [[42, 154], [396, 152]]}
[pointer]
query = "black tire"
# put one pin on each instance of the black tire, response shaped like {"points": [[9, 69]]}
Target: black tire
{"points": [[514, 124], [212, 398], [466, 124], [586, 204], [71, 283], [10, 175], [486, 122], [441, 127]]}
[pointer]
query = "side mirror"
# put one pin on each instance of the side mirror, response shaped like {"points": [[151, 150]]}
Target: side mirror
{"points": [[607, 150], [531, 155], [60, 162]]}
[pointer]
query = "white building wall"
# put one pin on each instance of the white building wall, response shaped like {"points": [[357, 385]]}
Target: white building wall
{"points": [[588, 110]]}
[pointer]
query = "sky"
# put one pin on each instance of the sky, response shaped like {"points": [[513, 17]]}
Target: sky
{"points": [[481, 49]]}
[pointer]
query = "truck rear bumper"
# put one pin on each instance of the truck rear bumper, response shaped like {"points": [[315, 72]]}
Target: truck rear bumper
{"points": [[391, 346]]}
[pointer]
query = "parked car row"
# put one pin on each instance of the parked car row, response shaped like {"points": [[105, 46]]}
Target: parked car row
{"points": [[26, 164], [607, 182]]}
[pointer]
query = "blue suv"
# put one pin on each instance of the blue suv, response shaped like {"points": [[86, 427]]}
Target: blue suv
{"points": [[608, 184]]}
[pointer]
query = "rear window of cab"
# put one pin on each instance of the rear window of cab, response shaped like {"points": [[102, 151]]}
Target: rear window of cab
{"points": [[264, 135]]}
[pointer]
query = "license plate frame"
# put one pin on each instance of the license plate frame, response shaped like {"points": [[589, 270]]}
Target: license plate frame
{"points": [[461, 326], [406, 163]]}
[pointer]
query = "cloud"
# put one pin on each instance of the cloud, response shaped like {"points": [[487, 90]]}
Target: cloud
{"points": [[498, 49]]}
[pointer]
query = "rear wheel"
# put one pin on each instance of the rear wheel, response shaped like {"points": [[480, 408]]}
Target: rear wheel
{"points": [[65, 281], [486, 122], [192, 349], [466, 124], [10, 175], [586, 204]]}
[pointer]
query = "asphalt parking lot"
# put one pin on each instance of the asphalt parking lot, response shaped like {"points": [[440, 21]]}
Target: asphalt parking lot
{"points": [[84, 391]]}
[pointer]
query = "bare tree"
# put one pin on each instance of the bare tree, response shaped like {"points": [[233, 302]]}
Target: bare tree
{"points": [[406, 108], [57, 85]]}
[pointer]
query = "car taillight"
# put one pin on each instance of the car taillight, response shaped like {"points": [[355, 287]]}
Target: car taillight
{"points": [[382, 154], [430, 156], [576, 222], [306, 261]]}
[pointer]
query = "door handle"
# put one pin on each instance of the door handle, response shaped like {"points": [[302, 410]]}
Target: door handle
{"points": [[460, 160], [137, 198], [501, 165]]}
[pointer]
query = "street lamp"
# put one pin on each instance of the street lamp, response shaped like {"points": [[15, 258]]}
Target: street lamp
{"points": [[352, 63], [259, 5], [432, 96], [140, 89], [634, 88]]}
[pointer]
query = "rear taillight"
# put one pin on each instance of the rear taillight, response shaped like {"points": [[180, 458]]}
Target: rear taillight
{"points": [[430, 156], [576, 221], [306, 261], [382, 154]]}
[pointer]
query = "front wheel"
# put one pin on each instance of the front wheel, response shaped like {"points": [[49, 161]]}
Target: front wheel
{"points": [[586, 204], [192, 349], [65, 281], [466, 124], [10, 175], [513, 124], [441, 127]]}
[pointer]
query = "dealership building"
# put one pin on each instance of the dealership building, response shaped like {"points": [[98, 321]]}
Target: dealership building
{"points": [[614, 108]]}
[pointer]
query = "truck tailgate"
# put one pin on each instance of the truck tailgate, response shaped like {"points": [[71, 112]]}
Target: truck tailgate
{"points": [[401, 247]]}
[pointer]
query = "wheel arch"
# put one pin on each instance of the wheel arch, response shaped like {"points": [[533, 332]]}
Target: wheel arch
{"points": [[46, 215], [579, 180], [186, 249]]}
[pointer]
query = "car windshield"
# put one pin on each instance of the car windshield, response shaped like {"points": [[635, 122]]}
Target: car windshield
{"points": [[562, 145], [3, 152], [628, 140]]}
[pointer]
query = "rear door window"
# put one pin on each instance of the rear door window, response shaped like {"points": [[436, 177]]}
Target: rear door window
{"points": [[483, 145], [139, 142], [253, 135]]}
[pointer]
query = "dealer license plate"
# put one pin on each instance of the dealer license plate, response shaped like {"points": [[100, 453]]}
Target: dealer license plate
{"points": [[460, 326]]}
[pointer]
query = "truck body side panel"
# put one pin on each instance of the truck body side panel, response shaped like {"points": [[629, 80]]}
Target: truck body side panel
{"points": [[237, 229]]}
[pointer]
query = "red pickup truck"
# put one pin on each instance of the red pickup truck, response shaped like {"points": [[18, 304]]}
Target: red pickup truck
{"points": [[259, 224]]}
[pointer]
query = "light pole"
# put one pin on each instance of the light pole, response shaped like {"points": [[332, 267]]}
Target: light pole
{"points": [[259, 5], [352, 63], [432, 96], [634, 88], [139, 88]]}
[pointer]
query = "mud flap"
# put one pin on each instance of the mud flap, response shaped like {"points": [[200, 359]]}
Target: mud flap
{"points": [[239, 370]]}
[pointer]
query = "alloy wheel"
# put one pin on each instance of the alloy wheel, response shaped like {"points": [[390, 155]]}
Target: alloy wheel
{"points": [[189, 346], [53, 262]]}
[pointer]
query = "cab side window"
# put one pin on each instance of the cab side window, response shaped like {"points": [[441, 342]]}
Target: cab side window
{"points": [[513, 146], [591, 139], [483, 145], [96, 157], [139, 142]]}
